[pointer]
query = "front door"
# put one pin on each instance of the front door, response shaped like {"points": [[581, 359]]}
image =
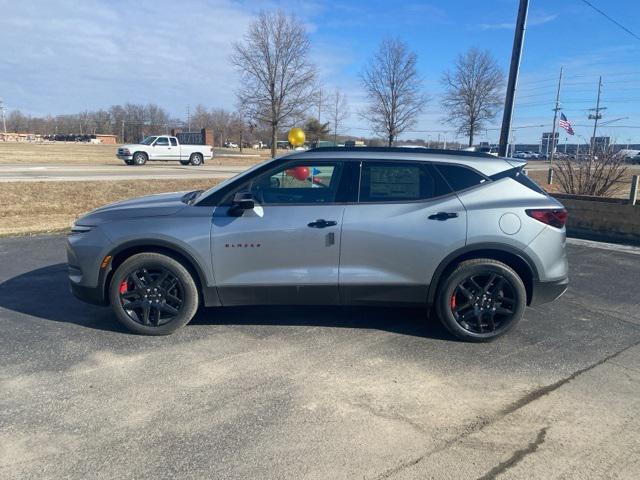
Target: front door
{"points": [[406, 222], [161, 149], [286, 249]]}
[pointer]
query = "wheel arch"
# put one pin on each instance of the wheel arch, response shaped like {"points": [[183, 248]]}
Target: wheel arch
{"points": [[122, 252], [514, 258]]}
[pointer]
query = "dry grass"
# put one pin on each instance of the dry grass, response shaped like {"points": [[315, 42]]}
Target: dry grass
{"points": [[39, 207], [91, 154]]}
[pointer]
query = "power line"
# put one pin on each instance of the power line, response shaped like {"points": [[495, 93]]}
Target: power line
{"points": [[611, 19]]}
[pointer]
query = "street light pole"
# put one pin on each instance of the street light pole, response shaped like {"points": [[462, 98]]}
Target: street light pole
{"points": [[555, 118], [516, 55]]}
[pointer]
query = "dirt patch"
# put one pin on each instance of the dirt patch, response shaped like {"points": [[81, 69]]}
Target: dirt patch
{"points": [[40, 207]]}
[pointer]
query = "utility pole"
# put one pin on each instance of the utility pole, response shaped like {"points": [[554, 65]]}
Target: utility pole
{"points": [[595, 117], [188, 119], [123, 131], [4, 122], [555, 119], [516, 55], [319, 104]]}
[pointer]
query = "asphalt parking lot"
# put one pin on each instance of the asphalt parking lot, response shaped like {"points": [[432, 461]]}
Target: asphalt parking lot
{"points": [[312, 392]]}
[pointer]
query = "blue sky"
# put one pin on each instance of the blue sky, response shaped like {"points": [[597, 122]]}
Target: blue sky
{"points": [[66, 56]]}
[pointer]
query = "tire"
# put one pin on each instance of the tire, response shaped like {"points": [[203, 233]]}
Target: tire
{"points": [[140, 158], [196, 159], [484, 313], [185, 162], [138, 283], [128, 162]]}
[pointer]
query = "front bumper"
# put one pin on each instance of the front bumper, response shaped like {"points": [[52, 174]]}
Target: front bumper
{"points": [[94, 295], [125, 157], [545, 292]]}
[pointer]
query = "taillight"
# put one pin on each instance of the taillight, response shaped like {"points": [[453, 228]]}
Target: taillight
{"points": [[556, 217]]}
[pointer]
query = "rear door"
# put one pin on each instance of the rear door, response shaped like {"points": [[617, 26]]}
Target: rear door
{"points": [[286, 250], [406, 222]]}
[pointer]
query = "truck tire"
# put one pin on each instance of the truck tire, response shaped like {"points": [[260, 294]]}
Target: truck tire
{"points": [[128, 162], [185, 162], [139, 158], [196, 159]]}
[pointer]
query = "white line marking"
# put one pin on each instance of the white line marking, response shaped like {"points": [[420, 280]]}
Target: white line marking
{"points": [[604, 246]]}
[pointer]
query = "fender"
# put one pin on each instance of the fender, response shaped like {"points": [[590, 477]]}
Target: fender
{"points": [[477, 247], [209, 293]]}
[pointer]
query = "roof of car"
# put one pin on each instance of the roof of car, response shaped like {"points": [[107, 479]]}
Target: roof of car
{"points": [[483, 162]]}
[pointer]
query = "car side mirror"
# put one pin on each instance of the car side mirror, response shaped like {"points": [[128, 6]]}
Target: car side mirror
{"points": [[241, 201]]}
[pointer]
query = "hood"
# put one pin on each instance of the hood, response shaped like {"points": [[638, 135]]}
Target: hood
{"points": [[150, 206], [132, 146]]}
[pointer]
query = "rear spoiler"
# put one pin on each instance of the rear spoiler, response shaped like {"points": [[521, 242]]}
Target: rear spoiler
{"points": [[515, 162]]}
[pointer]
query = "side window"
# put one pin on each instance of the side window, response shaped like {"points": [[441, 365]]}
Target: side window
{"points": [[399, 181], [302, 183], [174, 142], [162, 142], [460, 177]]}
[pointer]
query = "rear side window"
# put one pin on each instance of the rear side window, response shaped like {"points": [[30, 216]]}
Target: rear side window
{"points": [[399, 182], [460, 178], [518, 175], [174, 142]]}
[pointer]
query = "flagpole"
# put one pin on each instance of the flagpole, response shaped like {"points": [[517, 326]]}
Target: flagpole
{"points": [[555, 119]]}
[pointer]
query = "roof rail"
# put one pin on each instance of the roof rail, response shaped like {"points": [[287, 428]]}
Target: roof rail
{"points": [[422, 150]]}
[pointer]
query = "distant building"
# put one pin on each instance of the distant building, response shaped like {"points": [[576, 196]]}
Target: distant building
{"points": [[601, 143], [106, 139], [549, 145]]}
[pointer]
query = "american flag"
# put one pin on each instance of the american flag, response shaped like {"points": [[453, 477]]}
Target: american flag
{"points": [[564, 123]]}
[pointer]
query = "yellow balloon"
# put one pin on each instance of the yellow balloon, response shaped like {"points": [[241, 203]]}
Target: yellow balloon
{"points": [[296, 137]]}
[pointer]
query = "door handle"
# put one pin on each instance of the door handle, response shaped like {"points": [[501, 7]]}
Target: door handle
{"points": [[442, 216], [322, 223]]}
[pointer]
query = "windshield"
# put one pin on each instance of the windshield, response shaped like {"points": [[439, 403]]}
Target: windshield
{"points": [[148, 140]]}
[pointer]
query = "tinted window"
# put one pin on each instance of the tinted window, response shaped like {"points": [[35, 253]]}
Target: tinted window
{"points": [[459, 177], [399, 181], [518, 175], [298, 183], [174, 142], [162, 142]]}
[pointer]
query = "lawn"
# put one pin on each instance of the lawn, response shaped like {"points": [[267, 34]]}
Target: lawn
{"points": [[38, 207]]}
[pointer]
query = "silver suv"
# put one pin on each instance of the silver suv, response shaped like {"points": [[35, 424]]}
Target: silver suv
{"points": [[467, 235]]}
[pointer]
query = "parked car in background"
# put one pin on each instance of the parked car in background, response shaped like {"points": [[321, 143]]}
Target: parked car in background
{"points": [[633, 159], [466, 234], [230, 144], [164, 148]]}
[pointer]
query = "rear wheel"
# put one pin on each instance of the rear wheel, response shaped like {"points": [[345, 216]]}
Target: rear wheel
{"points": [[481, 299], [139, 158], [196, 159], [153, 294]]}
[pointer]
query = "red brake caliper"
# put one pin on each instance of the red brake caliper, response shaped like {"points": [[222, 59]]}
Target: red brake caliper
{"points": [[453, 302], [123, 287]]}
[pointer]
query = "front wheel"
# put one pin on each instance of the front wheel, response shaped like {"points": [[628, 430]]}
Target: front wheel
{"points": [[196, 159], [481, 299], [153, 294], [185, 162], [139, 158]]}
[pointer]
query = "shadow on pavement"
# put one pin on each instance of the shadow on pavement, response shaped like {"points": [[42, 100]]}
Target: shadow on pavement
{"points": [[44, 293]]}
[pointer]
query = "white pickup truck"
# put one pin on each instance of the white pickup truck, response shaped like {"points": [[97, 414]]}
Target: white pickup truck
{"points": [[164, 148]]}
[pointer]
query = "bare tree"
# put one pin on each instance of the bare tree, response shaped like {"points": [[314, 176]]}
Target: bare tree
{"points": [[600, 175], [394, 90], [473, 92], [277, 77], [338, 110]]}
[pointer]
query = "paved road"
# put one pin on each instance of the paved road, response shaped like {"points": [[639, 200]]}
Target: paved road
{"points": [[317, 392], [48, 172]]}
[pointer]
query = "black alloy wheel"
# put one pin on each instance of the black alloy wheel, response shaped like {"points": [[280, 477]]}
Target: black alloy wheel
{"points": [[483, 303], [151, 296], [480, 299]]}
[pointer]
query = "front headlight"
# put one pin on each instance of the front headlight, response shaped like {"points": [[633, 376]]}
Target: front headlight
{"points": [[125, 151]]}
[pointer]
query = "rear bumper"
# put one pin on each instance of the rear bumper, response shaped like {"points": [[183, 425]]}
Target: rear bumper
{"points": [[545, 292]]}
